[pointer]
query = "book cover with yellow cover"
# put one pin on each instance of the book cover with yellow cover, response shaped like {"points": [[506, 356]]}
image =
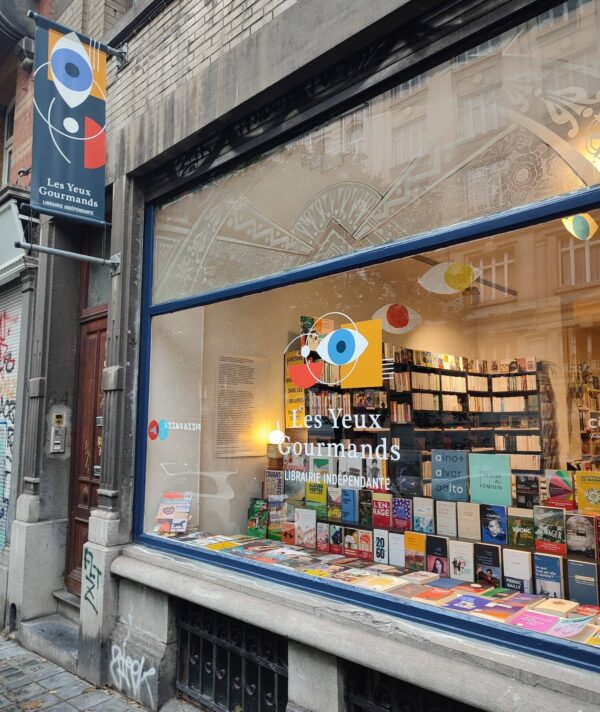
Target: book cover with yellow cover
{"points": [[316, 498], [414, 543], [587, 491]]}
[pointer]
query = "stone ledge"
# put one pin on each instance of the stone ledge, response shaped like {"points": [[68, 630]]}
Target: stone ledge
{"points": [[508, 680]]}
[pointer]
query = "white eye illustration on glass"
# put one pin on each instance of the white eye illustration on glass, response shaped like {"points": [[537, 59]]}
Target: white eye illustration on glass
{"points": [[398, 318], [449, 277], [72, 70], [342, 346]]}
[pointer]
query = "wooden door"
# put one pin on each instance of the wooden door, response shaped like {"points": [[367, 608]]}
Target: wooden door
{"points": [[87, 444]]}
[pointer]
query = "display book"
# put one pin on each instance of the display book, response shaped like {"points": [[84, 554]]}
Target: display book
{"points": [[447, 535]]}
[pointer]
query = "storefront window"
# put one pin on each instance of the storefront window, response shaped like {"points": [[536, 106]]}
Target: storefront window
{"points": [[426, 428], [509, 122]]}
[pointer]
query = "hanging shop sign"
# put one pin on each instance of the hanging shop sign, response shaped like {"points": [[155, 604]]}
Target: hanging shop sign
{"points": [[69, 137]]}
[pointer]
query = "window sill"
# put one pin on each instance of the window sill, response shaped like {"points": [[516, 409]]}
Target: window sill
{"points": [[361, 631]]}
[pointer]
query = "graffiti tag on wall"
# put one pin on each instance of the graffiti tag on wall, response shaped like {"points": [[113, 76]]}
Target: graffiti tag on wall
{"points": [[128, 674]]}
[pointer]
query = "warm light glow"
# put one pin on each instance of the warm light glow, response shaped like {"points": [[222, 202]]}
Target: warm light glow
{"points": [[276, 436]]}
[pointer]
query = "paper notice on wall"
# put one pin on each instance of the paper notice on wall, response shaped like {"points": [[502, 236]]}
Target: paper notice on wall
{"points": [[241, 406], [294, 395]]}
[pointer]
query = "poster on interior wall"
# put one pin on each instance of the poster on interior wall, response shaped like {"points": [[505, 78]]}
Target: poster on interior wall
{"points": [[69, 137], [241, 406], [294, 395]]}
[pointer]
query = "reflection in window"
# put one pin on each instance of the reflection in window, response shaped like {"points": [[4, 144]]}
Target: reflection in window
{"points": [[560, 13], [497, 275], [481, 50], [409, 141], [579, 261], [406, 88], [479, 112]]}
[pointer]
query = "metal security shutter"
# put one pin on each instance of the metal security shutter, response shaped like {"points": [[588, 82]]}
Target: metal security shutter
{"points": [[10, 332]]}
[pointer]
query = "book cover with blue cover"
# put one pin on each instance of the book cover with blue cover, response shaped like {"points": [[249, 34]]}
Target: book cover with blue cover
{"points": [[489, 479], [449, 475], [583, 581], [548, 573], [349, 506], [494, 525]]}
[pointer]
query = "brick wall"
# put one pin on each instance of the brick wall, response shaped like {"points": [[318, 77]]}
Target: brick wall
{"points": [[177, 44]]}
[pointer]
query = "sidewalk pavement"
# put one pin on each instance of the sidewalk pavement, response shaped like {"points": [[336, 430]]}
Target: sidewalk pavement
{"points": [[29, 683]]}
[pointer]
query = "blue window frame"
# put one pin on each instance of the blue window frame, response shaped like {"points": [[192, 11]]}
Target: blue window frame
{"points": [[522, 641]]}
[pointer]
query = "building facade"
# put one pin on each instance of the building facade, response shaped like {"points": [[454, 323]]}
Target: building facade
{"points": [[353, 336]]}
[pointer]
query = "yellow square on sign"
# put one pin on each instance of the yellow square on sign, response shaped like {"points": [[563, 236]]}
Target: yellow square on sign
{"points": [[366, 371]]}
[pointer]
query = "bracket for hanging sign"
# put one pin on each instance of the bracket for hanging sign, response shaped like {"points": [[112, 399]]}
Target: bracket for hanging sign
{"points": [[120, 54], [114, 262]]}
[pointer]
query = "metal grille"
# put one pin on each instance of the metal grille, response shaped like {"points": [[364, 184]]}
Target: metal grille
{"points": [[228, 665], [370, 691]]}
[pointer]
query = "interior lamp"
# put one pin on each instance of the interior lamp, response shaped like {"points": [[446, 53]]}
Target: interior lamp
{"points": [[276, 437]]}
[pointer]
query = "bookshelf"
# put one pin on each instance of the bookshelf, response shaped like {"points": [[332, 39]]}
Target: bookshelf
{"points": [[425, 407]]}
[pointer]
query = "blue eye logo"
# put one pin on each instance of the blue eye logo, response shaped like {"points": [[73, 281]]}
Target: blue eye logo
{"points": [[342, 346]]}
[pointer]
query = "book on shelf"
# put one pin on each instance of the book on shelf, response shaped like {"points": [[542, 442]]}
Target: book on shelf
{"points": [[582, 577], [306, 527], [397, 550], [436, 551], [173, 512], [479, 404], [490, 479], [273, 483], [494, 524], [316, 498], [445, 518], [449, 475], [560, 489], [519, 461], [423, 515], [518, 570], [469, 520], [414, 546], [435, 596], [288, 533], [488, 566], [524, 382], [466, 603], [401, 513], [365, 507], [334, 504], [498, 610], [258, 517], [382, 510], [421, 577], [510, 443], [336, 539], [349, 506], [425, 401], [277, 516], [581, 535], [587, 488], [351, 542], [350, 470], [381, 546], [477, 383], [462, 561], [549, 524], [555, 606], [322, 536], [365, 544], [405, 474], [548, 575], [533, 620], [527, 491], [521, 533]]}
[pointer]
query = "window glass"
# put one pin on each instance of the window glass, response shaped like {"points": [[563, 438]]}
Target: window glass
{"points": [[508, 122], [427, 428]]}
